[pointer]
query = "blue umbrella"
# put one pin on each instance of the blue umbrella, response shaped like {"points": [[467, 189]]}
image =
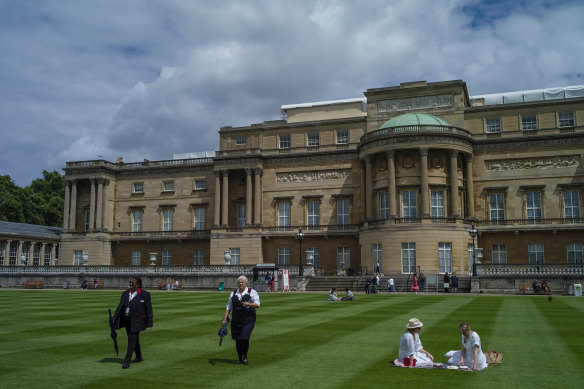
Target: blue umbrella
{"points": [[223, 332]]}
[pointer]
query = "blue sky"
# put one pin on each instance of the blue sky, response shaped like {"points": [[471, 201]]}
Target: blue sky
{"points": [[81, 80]]}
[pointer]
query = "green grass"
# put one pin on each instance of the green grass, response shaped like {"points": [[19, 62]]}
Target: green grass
{"points": [[60, 339]]}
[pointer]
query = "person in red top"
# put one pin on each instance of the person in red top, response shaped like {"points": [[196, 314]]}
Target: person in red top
{"points": [[135, 314]]}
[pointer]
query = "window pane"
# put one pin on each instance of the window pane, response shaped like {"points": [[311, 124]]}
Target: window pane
{"points": [[493, 125], [571, 204], [234, 256], [200, 184], [313, 139], [315, 251], [566, 119], [343, 258], [199, 219], [528, 122], [136, 257], [535, 254], [437, 203], [139, 187], [342, 212], [533, 203], [198, 256], [167, 221], [408, 257], [284, 141], [342, 137], [137, 221], [241, 210], [283, 256], [284, 214], [313, 215], [376, 254], [496, 206], [499, 254], [241, 140], [383, 205], [409, 204], [168, 186], [166, 257]]}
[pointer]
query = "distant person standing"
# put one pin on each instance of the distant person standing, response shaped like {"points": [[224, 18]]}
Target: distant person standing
{"points": [[391, 285], [415, 287], [367, 284], [268, 279], [446, 282], [454, 281], [377, 267], [422, 282]]}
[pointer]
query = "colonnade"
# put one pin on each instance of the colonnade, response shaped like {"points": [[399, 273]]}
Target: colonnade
{"points": [[44, 246], [96, 204], [253, 198], [424, 185]]}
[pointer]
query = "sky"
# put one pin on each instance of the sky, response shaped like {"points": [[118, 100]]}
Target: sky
{"points": [[102, 79]]}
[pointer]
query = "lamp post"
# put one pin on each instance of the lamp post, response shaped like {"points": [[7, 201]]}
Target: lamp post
{"points": [[473, 233], [300, 236]]}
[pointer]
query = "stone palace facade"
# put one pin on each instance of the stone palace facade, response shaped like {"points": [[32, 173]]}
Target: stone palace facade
{"points": [[396, 178]]}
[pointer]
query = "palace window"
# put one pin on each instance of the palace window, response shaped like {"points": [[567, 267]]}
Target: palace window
{"points": [[313, 213], [342, 137], [315, 251], [437, 198], [200, 184], [408, 257], [529, 122], [343, 258], [493, 125], [137, 215], [166, 257], [283, 256], [499, 254], [313, 139], [2, 252], [47, 255], [240, 141], [198, 257], [342, 212], [284, 141], [533, 205], [199, 224], [235, 256], [36, 255], [571, 204], [376, 254], [168, 186], [138, 187], [13, 254], [535, 252], [241, 217], [566, 120], [574, 251], [77, 257], [136, 257], [497, 206], [284, 214], [383, 205], [167, 218], [409, 204], [444, 257]]}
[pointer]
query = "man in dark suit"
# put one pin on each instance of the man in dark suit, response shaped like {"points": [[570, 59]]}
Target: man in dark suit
{"points": [[135, 314]]}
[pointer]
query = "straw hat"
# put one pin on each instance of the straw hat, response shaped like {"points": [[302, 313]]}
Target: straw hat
{"points": [[414, 323]]}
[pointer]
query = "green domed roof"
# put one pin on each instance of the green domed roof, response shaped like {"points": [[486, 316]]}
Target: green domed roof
{"points": [[415, 119]]}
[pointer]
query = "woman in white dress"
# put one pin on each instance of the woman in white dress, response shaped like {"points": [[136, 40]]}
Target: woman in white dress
{"points": [[471, 353], [411, 352]]}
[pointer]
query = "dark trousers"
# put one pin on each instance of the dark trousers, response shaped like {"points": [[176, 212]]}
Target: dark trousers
{"points": [[133, 345]]}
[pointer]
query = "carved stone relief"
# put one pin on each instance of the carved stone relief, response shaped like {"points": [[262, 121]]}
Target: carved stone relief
{"points": [[533, 163], [411, 103], [314, 176]]}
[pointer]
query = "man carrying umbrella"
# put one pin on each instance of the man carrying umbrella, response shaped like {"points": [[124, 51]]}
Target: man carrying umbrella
{"points": [[135, 314]]}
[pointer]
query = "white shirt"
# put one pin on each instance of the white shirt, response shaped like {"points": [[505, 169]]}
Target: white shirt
{"points": [[468, 346], [407, 346], [390, 282], [255, 297], [132, 295]]}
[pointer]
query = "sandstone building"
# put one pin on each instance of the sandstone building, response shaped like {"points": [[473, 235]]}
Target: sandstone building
{"points": [[397, 177]]}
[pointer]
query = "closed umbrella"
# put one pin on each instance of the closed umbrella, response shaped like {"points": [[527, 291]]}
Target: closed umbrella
{"points": [[223, 332], [113, 333]]}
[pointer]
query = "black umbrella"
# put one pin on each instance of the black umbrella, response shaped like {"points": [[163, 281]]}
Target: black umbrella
{"points": [[113, 332], [223, 332]]}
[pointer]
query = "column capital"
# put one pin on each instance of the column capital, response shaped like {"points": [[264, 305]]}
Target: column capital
{"points": [[258, 170], [453, 153], [424, 151], [468, 157], [390, 153]]}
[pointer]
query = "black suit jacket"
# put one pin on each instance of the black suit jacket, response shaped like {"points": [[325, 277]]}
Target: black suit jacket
{"points": [[140, 310]]}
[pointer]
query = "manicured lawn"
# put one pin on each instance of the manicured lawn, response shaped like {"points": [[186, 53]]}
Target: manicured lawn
{"points": [[60, 339]]}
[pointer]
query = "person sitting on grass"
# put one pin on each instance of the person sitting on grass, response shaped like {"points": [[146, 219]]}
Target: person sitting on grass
{"points": [[333, 295], [349, 296], [470, 355], [411, 352]]}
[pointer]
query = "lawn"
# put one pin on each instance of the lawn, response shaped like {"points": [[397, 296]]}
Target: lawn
{"points": [[60, 339]]}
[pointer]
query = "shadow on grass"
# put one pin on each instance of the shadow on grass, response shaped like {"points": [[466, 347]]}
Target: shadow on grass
{"points": [[213, 361], [112, 360]]}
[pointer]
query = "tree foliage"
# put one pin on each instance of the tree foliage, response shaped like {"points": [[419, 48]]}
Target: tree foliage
{"points": [[39, 203]]}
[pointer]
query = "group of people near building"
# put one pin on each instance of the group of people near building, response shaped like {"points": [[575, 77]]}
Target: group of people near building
{"points": [[545, 287], [412, 353]]}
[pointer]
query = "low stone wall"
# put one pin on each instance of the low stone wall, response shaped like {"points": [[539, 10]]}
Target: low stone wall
{"points": [[201, 282], [510, 284]]}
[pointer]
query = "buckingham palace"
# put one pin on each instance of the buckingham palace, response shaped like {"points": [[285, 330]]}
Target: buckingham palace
{"points": [[420, 176]]}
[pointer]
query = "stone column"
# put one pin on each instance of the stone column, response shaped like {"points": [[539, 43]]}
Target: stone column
{"points": [[424, 181], [19, 252], [73, 208], [92, 205], [42, 254], [257, 218], [31, 254], [248, 197], [216, 219], [7, 253], [99, 207], [53, 253], [66, 205], [225, 201], [391, 183], [453, 183], [368, 188], [469, 186]]}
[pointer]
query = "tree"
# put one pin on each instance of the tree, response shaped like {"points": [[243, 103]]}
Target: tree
{"points": [[39, 203]]}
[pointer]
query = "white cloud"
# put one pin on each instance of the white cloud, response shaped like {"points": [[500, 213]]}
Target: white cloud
{"points": [[145, 80]]}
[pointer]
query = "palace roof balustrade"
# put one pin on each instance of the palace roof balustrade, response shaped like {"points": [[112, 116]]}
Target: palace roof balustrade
{"points": [[531, 270]]}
